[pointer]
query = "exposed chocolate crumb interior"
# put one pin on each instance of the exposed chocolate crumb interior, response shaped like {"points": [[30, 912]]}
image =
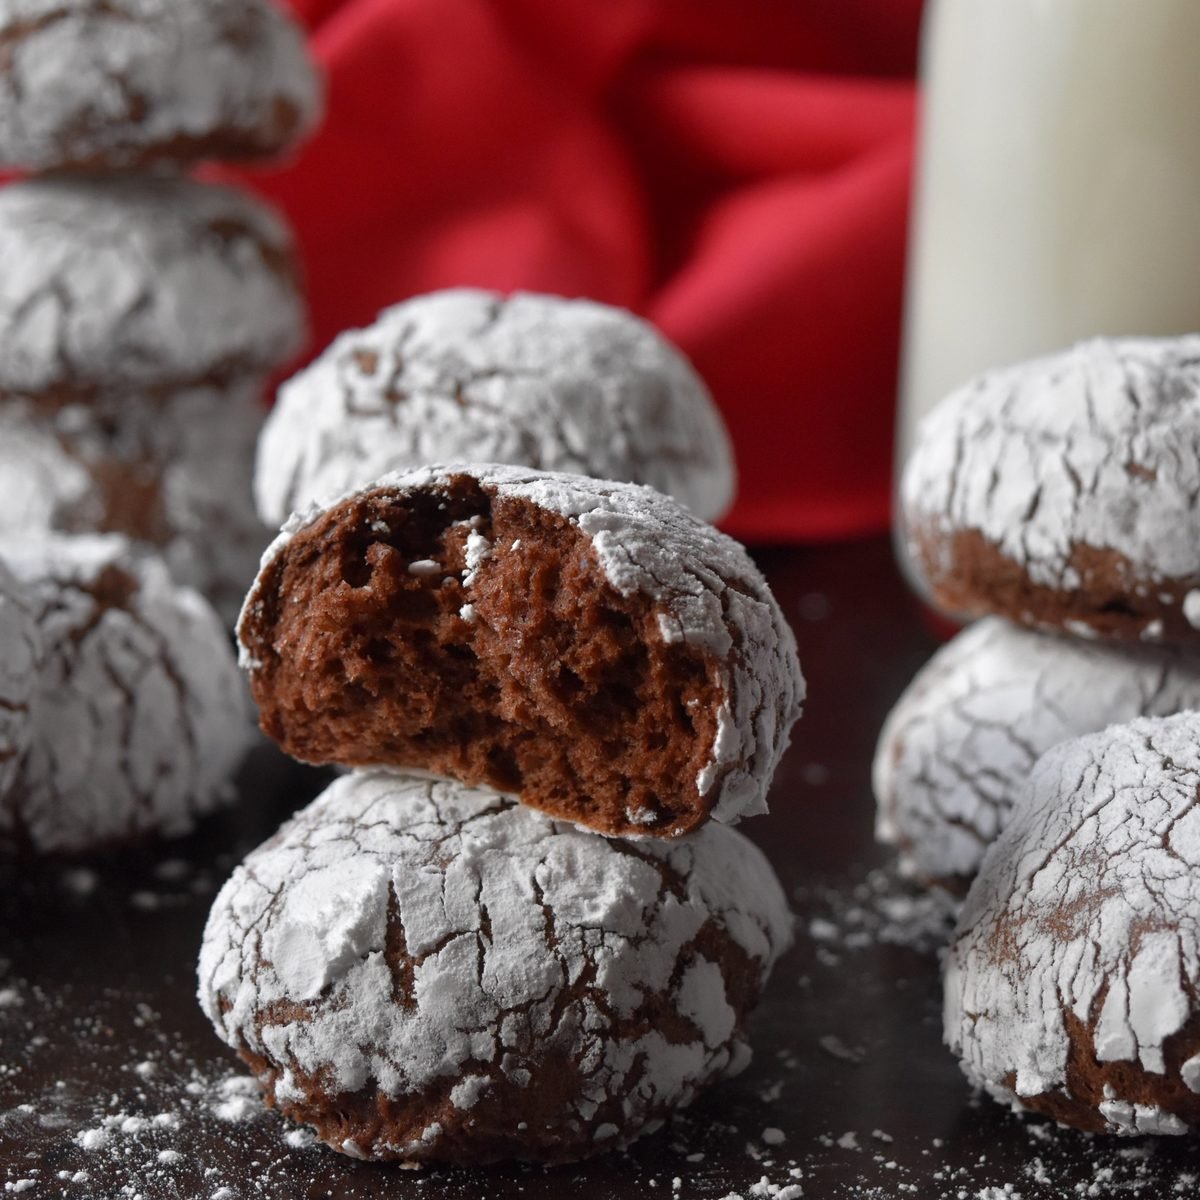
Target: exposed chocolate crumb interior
{"points": [[550, 684]]}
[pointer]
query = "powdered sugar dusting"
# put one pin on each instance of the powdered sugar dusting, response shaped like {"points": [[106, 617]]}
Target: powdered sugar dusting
{"points": [[500, 910], [709, 593], [141, 282], [1085, 908], [467, 375], [119, 81], [961, 741], [1098, 446], [173, 471], [139, 713], [20, 658]]}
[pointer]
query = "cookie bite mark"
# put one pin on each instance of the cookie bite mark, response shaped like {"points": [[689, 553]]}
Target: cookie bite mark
{"points": [[477, 635]]}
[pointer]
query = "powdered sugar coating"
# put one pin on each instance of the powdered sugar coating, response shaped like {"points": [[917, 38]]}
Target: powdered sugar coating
{"points": [[20, 657], [432, 942], [139, 714], [1076, 964], [1094, 452], [959, 745], [143, 282], [468, 375], [710, 595], [123, 83], [171, 470]]}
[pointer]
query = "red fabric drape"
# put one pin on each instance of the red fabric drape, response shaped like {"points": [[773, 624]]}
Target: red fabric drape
{"points": [[735, 170]]}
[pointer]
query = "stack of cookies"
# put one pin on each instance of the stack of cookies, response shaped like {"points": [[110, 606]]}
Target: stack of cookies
{"points": [[521, 926], [139, 314], [140, 310], [1038, 753]]}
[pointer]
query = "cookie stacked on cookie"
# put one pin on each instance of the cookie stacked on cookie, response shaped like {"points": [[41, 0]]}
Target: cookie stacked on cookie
{"points": [[140, 310], [1038, 751], [521, 926], [1056, 500]]}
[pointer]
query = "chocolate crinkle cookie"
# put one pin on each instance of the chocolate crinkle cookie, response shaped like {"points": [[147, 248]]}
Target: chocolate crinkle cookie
{"points": [[960, 743], [590, 646], [20, 659], [466, 375], [1062, 493], [160, 283], [116, 84], [428, 972], [139, 714], [171, 470], [1072, 985]]}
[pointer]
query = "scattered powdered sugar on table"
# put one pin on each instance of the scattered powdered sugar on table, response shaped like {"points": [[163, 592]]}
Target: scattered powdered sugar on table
{"points": [[962, 739], [470, 376]]}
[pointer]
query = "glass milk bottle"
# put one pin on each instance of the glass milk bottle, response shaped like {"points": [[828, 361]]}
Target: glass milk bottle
{"points": [[1058, 184]]}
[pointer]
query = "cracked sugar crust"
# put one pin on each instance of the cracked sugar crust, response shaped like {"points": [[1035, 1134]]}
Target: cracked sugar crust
{"points": [[139, 714], [171, 470], [960, 743], [20, 659], [1072, 984], [1062, 493], [142, 283], [466, 375], [590, 646], [120, 84], [426, 971]]}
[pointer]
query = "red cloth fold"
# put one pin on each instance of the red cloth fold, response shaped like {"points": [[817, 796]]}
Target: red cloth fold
{"points": [[736, 172]]}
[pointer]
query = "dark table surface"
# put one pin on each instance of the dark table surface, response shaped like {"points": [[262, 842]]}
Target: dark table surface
{"points": [[113, 1085]]}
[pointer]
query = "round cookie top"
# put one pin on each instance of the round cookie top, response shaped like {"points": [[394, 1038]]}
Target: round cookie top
{"points": [[427, 971], [118, 84], [1071, 985], [1061, 492], [141, 282], [589, 645], [467, 375], [20, 658], [960, 743], [140, 716]]}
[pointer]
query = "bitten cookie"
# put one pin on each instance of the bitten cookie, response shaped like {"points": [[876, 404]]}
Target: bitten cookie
{"points": [[170, 469], [469, 376], [1061, 493], [590, 646], [960, 743], [428, 972], [113, 84], [144, 283], [1072, 983], [139, 714], [20, 658]]}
